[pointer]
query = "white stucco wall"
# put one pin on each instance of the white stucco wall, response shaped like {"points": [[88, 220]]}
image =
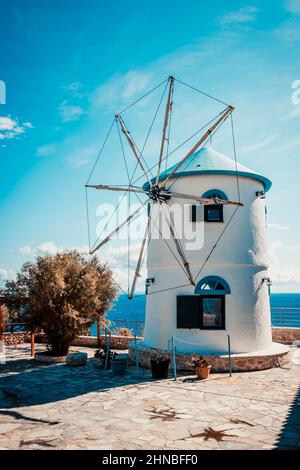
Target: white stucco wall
{"points": [[240, 258]]}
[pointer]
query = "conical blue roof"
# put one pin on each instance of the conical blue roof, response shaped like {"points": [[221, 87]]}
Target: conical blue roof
{"points": [[209, 161]]}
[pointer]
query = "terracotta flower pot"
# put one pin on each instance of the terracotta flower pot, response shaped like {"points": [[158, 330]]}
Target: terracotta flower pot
{"points": [[202, 372]]}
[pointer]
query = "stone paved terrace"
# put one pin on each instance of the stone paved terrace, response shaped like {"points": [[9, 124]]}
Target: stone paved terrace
{"points": [[56, 407]]}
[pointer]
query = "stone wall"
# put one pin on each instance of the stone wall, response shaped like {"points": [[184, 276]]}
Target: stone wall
{"points": [[280, 335], [11, 339], [285, 335], [239, 362], [116, 342]]}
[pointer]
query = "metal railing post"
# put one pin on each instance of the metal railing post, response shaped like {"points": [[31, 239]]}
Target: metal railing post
{"points": [[32, 343], [229, 356], [136, 355], [1, 323], [107, 351], [282, 318], [99, 333], [174, 358]]}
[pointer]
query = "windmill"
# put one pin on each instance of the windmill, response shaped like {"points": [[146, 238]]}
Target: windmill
{"points": [[158, 190]]}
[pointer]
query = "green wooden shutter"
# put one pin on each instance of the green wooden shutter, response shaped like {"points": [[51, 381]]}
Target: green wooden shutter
{"points": [[188, 311]]}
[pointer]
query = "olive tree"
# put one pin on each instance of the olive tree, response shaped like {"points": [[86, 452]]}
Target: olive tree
{"points": [[61, 295]]}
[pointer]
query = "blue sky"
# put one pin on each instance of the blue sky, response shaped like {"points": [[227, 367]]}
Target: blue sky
{"points": [[70, 65]]}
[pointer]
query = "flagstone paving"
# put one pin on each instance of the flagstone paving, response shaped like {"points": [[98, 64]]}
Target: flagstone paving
{"points": [[57, 407]]}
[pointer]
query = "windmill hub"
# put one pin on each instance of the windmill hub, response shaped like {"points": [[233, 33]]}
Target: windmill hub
{"points": [[158, 194]]}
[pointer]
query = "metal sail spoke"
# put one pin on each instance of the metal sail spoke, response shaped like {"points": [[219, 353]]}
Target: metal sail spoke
{"points": [[131, 189], [204, 200], [140, 260], [179, 249], [116, 230], [154, 222], [158, 191], [224, 115], [166, 121], [133, 147]]}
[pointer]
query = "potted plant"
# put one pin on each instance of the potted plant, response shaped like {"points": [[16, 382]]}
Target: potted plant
{"points": [[159, 365], [202, 367], [123, 331], [119, 363], [100, 354]]}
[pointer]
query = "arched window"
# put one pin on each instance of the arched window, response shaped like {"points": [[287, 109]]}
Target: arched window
{"points": [[215, 193], [206, 309], [212, 285], [214, 213]]}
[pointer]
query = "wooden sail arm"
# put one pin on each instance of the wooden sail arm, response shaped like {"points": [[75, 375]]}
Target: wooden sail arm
{"points": [[140, 260], [180, 250], [222, 118], [166, 120], [133, 147], [203, 200], [132, 189], [116, 230]]}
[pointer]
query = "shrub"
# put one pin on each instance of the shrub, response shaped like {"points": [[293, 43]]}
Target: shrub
{"points": [[125, 331], [65, 294], [159, 356]]}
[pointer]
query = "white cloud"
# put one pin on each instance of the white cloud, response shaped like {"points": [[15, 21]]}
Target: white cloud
{"points": [[287, 146], [295, 113], [75, 89], [285, 275], [3, 273], [46, 150], [6, 274], [279, 227], [69, 112], [273, 252], [74, 86], [115, 257], [292, 6], [117, 260], [11, 128], [6, 123], [120, 88], [82, 156], [46, 248], [258, 146], [26, 250], [289, 31], [84, 250], [243, 16], [285, 278]]}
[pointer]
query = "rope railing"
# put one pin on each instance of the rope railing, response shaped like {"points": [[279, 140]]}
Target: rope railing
{"points": [[199, 345]]}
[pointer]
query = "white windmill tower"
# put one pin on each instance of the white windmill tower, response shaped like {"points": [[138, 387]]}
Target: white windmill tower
{"points": [[228, 293], [200, 296]]}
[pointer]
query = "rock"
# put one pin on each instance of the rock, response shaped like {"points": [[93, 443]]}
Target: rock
{"points": [[49, 358], [76, 359]]}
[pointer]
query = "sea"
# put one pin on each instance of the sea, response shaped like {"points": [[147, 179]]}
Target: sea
{"points": [[285, 311]]}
